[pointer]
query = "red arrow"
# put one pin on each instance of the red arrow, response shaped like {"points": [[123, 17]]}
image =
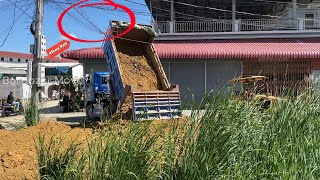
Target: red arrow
{"points": [[58, 48]]}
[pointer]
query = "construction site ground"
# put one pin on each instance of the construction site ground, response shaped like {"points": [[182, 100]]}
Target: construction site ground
{"points": [[51, 111], [18, 156]]}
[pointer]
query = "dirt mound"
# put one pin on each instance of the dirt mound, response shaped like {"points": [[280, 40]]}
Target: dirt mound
{"points": [[18, 157], [137, 70]]}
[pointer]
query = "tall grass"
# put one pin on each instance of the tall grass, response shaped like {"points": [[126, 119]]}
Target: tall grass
{"points": [[230, 139], [120, 152], [58, 163], [32, 112]]}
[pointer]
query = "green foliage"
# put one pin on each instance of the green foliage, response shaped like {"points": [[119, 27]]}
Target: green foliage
{"points": [[227, 140], [32, 112], [56, 163]]}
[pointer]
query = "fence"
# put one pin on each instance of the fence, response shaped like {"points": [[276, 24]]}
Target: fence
{"points": [[238, 25], [283, 74]]}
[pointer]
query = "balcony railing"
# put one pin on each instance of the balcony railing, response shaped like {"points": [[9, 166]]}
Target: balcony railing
{"points": [[236, 26]]}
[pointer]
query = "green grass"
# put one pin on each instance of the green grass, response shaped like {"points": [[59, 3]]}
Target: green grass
{"points": [[229, 140], [32, 112]]}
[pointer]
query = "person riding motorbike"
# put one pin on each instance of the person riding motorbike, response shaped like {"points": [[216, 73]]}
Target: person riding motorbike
{"points": [[11, 101]]}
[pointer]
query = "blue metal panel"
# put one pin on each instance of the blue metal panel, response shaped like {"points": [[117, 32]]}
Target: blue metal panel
{"points": [[101, 82], [114, 69]]}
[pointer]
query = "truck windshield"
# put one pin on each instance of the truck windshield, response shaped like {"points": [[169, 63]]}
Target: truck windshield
{"points": [[105, 80]]}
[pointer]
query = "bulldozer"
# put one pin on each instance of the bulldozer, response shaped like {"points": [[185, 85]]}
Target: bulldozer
{"points": [[253, 88]]}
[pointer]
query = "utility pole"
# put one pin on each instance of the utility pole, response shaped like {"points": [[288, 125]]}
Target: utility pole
{"points": [[37, 53], [172, 11], [234, 15], [172, 17], [294, 9]]}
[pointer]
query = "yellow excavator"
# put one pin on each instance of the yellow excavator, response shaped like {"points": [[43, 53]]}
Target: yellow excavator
{"points": [[253, 88]]}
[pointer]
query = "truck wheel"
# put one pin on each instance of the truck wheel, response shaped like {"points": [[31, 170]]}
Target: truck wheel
{"points": [[89, 113], [106, 114]]}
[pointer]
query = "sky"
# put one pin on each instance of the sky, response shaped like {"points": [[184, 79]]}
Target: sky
{"points": [[20, 37]]}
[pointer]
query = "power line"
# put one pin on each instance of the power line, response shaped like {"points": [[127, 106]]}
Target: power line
{"points": [[20, 9], [14, 21], [76, 19], [161, 9], [87, 18], [222, 10]]}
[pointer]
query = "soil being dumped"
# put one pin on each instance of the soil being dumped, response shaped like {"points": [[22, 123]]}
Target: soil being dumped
{"points": [[137, 70]]}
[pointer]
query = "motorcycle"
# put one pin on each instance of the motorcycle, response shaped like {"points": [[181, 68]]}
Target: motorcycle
{"points": [[8, 109]]}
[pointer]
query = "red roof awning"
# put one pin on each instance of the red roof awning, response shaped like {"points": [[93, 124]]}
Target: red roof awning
{"points": [[259, 48], [86, 53], [247, 49]]}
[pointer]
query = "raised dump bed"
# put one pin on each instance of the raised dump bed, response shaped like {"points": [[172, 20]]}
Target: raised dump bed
{"points": [[139, 82]]}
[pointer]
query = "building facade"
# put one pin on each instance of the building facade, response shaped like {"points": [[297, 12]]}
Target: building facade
{"points": [[201, 49], [16, 57]]}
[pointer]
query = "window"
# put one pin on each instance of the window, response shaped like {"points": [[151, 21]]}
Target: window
{"points": [[2, 59], [309, 20], [105, 80], [10, 59], [19, 60]]}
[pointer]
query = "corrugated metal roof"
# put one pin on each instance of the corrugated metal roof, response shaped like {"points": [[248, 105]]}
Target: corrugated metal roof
{"points": [[257, 48], [262, 48], [85, 53]]}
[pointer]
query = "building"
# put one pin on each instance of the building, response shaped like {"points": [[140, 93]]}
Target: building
{"points": [[203, 44], [15, 57], [91, 58], [18, 62]]}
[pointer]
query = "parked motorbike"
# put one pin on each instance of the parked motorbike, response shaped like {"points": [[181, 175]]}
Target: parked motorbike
{"points": [[9, 109]]}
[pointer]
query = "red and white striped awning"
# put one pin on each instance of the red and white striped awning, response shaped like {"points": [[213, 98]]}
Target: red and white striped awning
{"points": [[245, 49]]}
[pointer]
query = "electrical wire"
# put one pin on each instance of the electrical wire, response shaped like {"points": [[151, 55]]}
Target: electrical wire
{"points": [[20, 9], [14, 21], [166, 10], [222, 10], [86, 17], [79, 21]]}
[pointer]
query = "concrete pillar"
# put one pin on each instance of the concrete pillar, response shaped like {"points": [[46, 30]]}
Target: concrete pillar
{"points": [[171, 25], [236, 26], [205, 77], [301, 24]]}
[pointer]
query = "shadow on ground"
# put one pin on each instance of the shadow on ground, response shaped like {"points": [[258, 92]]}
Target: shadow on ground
{"points": [[51, 110]]}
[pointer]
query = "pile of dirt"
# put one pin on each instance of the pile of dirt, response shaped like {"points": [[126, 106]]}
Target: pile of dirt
{"points": [[18, 156], [137, 70]]}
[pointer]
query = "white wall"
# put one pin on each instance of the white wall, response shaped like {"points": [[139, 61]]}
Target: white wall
{"points": [[301, 13], [13, 60], [77, 72]]}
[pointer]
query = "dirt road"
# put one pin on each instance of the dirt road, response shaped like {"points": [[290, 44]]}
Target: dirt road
{"points": [[49, 111]]}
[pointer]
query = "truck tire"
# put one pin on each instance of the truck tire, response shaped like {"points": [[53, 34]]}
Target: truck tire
{"points": [[89, 113], [106, 114]]}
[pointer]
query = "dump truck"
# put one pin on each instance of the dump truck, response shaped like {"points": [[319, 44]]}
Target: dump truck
{"points": [[139, 88]]}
